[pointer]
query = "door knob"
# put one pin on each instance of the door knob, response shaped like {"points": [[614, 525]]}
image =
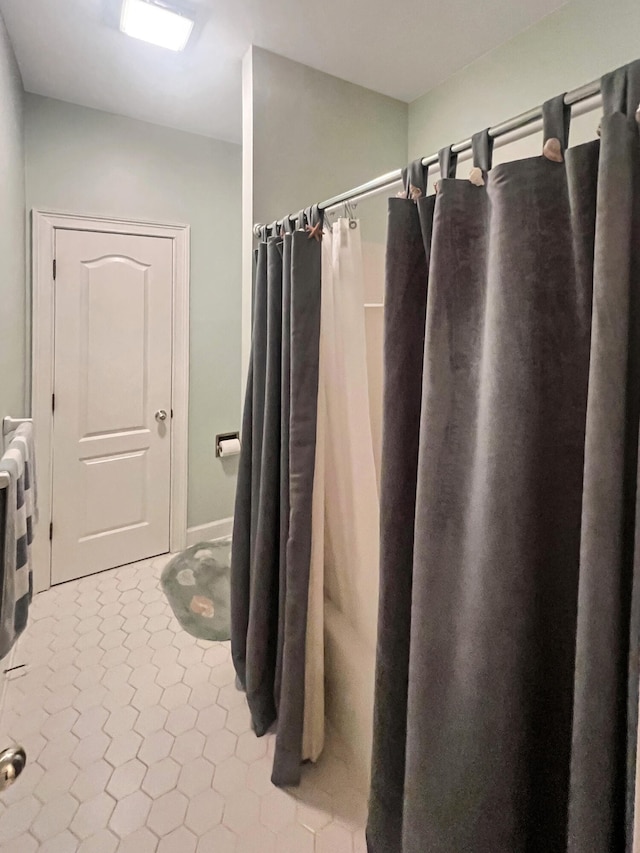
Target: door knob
{"points": [[12, 762], [161, 415]]}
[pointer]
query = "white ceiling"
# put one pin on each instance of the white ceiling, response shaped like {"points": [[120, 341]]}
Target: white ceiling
{"points": [[70, 49]]}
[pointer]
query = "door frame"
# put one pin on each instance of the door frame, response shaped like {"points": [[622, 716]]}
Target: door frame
{"points": [[44, 225]]}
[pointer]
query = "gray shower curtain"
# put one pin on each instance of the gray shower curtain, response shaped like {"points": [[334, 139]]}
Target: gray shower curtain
{"points": [[507, 666], [271, 547]]}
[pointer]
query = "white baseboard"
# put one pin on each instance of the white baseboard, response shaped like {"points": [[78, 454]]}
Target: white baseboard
{"points": [[212, 530]]}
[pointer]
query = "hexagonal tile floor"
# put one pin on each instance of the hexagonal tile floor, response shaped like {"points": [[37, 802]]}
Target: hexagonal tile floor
{"points": [[137, 739]]}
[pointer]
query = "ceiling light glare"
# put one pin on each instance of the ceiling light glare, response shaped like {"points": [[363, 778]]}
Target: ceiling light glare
{"points": [[155, 23]]}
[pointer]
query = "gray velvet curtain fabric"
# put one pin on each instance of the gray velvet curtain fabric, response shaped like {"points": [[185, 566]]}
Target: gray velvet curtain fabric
{"points": [[271, 546], [506, 683]]}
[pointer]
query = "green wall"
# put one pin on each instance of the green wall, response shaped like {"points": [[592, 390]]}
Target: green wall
{"points": [[308, 136], [574, 45], [85, 161], [12, 234], [315, 135]]}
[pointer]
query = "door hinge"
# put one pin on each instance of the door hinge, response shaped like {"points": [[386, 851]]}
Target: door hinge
{"points": [[171, 412], [51, 531], [54, 269], [53, 402]]}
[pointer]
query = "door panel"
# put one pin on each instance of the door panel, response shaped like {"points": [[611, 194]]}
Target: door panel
{"points": [[114, 345], [112, 372]]}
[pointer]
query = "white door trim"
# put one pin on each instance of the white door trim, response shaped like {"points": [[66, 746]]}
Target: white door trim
{"points": [[44, 225]]}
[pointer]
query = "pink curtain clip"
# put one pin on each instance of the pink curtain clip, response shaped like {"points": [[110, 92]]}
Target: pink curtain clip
{"points": [[476, 177], [553, 150]]}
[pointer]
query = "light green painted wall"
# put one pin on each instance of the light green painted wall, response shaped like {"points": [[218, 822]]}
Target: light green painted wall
{"points": [[308, 136], [572, 46], [12, 234], [85, 161], [315, 135]]}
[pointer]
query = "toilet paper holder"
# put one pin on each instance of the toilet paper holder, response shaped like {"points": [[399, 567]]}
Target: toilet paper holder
{"points": [[224, 436]]}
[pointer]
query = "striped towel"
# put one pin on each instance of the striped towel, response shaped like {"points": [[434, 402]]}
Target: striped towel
{"points": [[23, 437], [18, 515], [8, 563]]}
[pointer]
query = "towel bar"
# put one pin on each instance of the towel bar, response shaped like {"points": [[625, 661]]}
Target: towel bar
{"points": [[10, 424]]}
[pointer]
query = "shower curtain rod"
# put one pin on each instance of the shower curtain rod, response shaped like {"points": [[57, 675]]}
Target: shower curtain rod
{"points": [[575, 96]]}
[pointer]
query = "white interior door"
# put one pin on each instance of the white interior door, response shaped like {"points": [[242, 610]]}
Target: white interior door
{"points": [[112, 385]]}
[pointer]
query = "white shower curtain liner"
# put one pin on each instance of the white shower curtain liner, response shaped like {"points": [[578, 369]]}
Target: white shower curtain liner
{"points": [[345, 537]]}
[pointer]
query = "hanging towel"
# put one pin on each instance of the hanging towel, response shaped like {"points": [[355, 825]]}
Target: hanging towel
{"points": [[18, 515], [8, 556], [23, 437]]}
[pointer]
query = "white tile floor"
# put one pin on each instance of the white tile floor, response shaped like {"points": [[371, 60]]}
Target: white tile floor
{"points": [[137, 739]]}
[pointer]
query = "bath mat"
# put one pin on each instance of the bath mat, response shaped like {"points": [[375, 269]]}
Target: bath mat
{"points": [[196, 583]]}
